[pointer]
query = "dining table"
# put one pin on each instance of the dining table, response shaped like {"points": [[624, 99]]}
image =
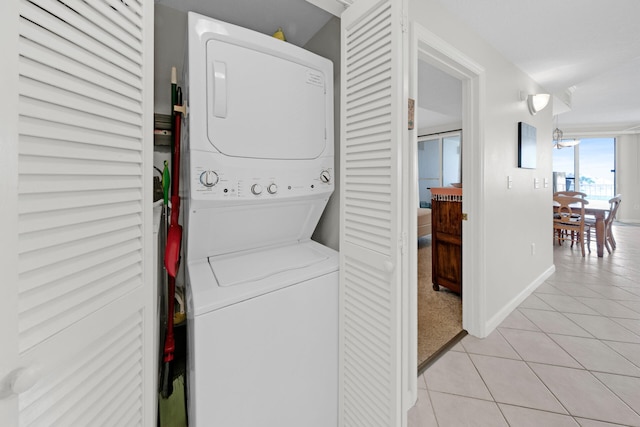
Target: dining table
{"points": [[598, 209]]}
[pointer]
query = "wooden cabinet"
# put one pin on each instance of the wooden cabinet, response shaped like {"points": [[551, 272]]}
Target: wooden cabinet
{"points": [[446, 223]]}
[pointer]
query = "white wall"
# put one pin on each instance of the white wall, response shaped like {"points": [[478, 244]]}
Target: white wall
{"points": [[628, 177], [326, 43], [519, 217]]}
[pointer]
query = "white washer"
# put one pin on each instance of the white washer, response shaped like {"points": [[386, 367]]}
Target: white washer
{"points": [[262, 297], [264, 352]]}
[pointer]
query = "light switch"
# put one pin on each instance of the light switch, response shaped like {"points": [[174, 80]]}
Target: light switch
{"points": [[509, 182], [536, 182], [546, 183]]}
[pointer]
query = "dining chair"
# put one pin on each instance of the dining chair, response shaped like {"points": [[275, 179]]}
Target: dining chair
{"points": [[575, 194], [565, 193], [571, 194], [609, 241], [568, 220]]}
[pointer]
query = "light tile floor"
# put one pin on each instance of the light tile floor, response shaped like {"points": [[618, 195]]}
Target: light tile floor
{"points": [[569, 355]]}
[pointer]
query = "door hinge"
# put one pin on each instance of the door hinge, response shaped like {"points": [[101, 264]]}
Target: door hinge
{"points": [[404, 23], [402, 242], [412, 112]]}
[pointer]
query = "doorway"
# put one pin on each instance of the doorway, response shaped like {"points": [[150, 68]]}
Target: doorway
{"points": [[439, 119], [426, 47]]}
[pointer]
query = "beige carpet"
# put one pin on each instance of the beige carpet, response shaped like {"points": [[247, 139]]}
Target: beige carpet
{"points": [[439, 313]]}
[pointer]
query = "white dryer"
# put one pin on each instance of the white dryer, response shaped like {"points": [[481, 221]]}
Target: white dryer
{"points": [[262, 297]]}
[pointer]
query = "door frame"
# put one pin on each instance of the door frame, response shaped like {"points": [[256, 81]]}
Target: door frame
{"points": [[9, 356], [427, 46]]}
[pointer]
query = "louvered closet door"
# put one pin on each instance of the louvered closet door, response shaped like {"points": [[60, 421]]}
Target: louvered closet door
{"points": [[370, 253], [83, 313]]}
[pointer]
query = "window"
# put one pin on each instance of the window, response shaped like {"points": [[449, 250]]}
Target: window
{"points": [[439, 163], [588, 167]]}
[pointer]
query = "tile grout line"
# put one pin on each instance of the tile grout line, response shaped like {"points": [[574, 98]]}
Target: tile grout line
{"points": [[433, 408], [596, 279], [565, 316], [613, 391], [606, 342]]}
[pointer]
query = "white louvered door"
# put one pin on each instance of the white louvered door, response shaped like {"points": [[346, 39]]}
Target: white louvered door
{"points": [[372, 122], [78, 219]]}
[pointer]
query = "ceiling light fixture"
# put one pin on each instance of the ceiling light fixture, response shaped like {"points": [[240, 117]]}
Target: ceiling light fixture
{"points": [[567, 143], [559, 142]]}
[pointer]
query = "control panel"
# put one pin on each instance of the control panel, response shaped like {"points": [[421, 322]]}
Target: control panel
{"points": [[209, 178], [257, 180]]}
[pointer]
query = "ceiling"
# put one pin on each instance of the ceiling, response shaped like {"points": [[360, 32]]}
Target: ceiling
{"points": [[439, 100], [587, 51], [587, 48]]}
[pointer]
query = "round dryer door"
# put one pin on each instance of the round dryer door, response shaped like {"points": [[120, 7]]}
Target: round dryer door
{"points": [[267, 104]]}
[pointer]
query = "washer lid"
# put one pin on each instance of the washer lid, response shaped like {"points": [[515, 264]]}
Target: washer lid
{"points": [[206, 295], [251, 266]]}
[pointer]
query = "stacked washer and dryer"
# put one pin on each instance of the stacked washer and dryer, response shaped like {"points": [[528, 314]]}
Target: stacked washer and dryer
{"points": [[258, 172]]}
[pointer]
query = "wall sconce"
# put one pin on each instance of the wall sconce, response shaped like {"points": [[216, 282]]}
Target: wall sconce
{"points": [[535, 102]]}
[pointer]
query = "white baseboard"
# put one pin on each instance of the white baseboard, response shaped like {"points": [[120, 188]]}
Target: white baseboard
{"points": [[494, 321]]}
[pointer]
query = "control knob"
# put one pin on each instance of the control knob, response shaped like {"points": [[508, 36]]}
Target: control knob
{"points": [[272, 189], [325, 176], [256, 189], [209, 178]]}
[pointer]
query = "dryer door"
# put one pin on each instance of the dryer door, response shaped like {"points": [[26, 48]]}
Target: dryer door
{"points": [[263, 103]]}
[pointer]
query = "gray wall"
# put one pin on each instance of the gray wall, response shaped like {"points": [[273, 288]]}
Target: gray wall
{"points": [[170, 45], [326, 43]]}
